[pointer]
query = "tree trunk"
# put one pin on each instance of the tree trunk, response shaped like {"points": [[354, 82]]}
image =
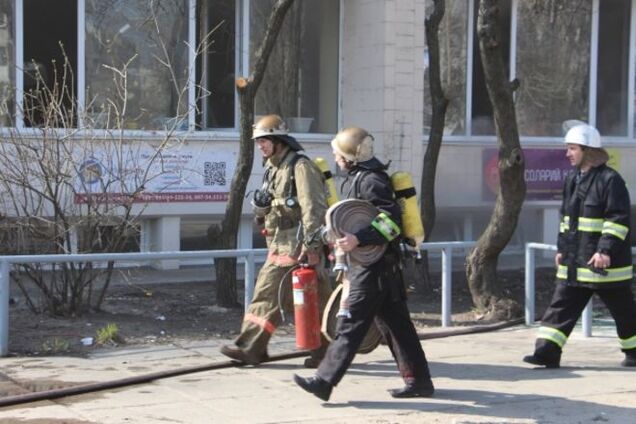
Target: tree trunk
{"points": [[481, 265], [439, 105], [246, 87]]}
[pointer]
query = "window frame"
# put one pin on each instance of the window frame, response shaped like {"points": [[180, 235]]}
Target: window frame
{"points": [[242, 63], [629, 139]]}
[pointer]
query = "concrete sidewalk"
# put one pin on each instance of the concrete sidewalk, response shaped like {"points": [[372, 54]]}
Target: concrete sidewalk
{"points": [[479, 379]]}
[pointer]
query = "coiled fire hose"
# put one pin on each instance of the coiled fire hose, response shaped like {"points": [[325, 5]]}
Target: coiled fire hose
{"points": [[350, 216]]}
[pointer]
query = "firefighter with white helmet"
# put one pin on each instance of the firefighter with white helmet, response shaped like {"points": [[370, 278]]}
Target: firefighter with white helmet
{"points": [[376, 290], [290, 206], [593, 250], [584, 135]]}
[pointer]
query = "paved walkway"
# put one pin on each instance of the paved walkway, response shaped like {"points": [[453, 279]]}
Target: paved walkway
{"points": [[479, 378]]}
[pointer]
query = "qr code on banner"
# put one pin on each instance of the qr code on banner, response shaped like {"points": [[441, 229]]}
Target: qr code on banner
{"points": [[214, 173]]}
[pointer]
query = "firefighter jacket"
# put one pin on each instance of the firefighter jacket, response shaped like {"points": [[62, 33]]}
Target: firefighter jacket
{"points": [[368, 181], [298, 207], [595, 217]]}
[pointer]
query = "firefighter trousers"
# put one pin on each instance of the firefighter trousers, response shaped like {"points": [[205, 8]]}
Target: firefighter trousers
{"points": [[263, 315], [567, 305], [370, 298]]}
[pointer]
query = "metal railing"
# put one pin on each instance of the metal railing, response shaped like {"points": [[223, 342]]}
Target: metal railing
{"points": [[447, 272], [530, 289], [250, 256]]}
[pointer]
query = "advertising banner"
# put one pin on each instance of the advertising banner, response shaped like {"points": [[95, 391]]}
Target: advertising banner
{"points": [[142, 174], [545, 172]]}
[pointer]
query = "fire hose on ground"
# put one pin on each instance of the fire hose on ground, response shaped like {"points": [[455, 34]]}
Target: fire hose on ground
{"points": [[350, 216], [147, 378]]}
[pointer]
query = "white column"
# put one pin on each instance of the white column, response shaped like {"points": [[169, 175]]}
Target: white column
{"points": [[165, 237], [244, 236], [244, 240]]}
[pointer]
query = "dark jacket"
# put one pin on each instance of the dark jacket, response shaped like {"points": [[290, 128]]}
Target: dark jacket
{"points": [[369, 181], [595, 217]]}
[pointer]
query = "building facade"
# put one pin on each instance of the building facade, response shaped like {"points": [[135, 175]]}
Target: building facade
{"points": [[336, 63]]}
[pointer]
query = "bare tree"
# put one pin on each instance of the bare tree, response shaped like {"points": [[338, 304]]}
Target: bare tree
{"points": [[439, 105], [481, 265], [247, 87], [65, 192], [76, 184]]}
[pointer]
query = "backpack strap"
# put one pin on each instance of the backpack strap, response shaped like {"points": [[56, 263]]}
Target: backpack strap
{"points": [[357, 180], [291, 189]]}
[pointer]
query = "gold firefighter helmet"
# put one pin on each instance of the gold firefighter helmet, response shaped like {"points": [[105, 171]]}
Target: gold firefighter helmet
{"points": [[269, 125], [273, 126], [354, 144]]}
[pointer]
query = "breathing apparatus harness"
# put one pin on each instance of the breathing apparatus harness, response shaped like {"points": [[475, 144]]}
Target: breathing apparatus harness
{"points": [[263, 197]]}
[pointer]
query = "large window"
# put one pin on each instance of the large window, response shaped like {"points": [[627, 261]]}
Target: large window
{"points": [[613, 67], [552, 90], [301, 81], [453, 34], [136, 64], [457, 51], [216, 33], [572, 59], [50, 57], [7, 64], [164, 64], [481, 108]]}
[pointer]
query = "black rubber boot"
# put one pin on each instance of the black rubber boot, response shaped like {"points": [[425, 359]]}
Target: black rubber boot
{"points": [[317, 354], [630, 359], [413, 390], [538, 359], [315, 385], [311, 362], [238, 354]]}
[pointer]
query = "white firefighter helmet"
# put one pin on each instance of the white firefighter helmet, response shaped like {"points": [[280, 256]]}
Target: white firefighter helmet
{"points": [[269, 125], [585, 135], [354, 144]]}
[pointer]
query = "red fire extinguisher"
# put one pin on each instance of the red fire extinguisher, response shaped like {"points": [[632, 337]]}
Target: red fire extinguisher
{"points": [[306, 315]]}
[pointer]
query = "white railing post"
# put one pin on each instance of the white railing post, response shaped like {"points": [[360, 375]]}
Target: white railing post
{"points": [[5, 267], [249, 280], [529, 285], [586, 319], [447, 276], [447, 272]]}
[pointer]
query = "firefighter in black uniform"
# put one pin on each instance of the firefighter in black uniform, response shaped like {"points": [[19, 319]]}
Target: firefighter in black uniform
{"points": [[376, 291], [593, 251]]}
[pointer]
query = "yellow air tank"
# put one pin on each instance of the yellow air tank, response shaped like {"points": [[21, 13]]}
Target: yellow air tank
{"points": [[332, 194], [412, 228]]}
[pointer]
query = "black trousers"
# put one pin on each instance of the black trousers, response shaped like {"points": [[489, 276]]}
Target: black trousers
{"points": [[568, 303], [376, 293]]}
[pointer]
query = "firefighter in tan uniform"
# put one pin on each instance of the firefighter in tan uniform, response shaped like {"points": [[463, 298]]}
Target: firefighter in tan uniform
{"points": [[291, 207]]}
